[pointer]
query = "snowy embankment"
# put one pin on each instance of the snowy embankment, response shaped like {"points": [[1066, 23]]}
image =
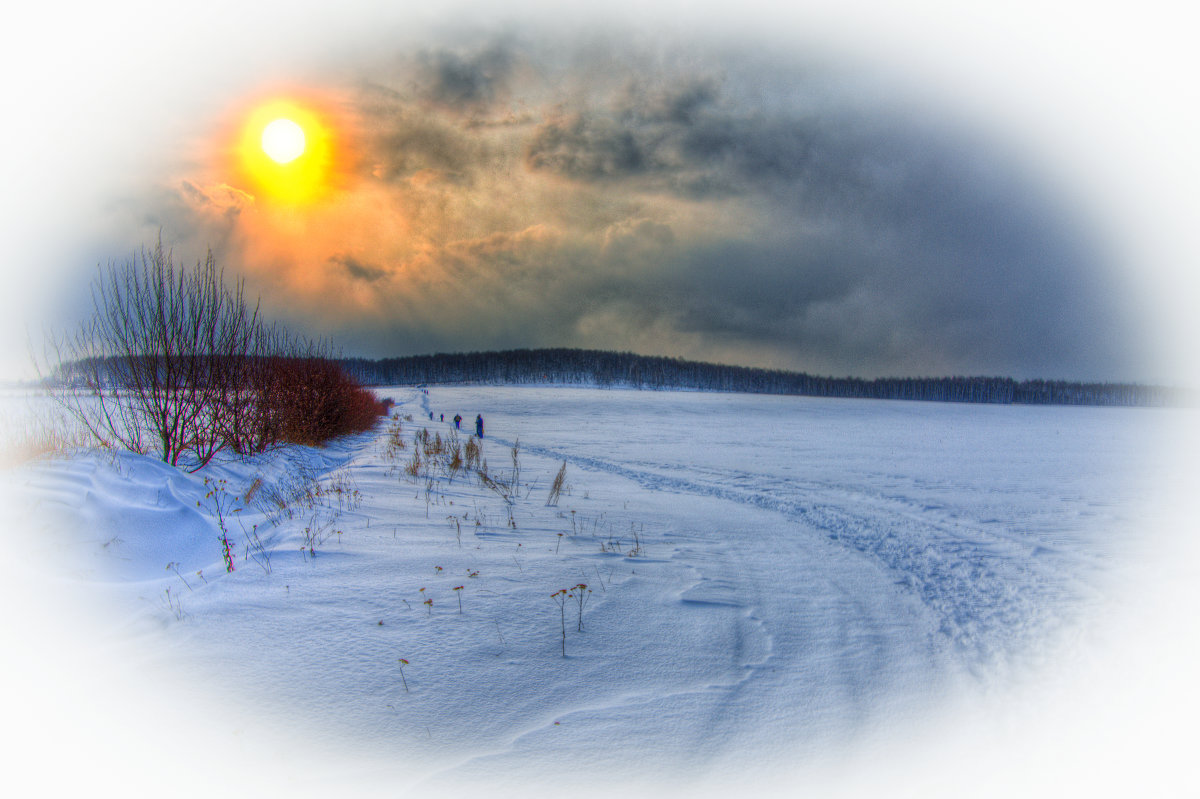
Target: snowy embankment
{"points": [[773, 586]]}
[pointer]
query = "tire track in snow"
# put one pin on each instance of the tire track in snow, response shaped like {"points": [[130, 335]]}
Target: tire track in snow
{"points": [[993, 594]]}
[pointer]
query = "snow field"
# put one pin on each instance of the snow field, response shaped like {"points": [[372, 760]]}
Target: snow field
{"points": [[814, 576]]}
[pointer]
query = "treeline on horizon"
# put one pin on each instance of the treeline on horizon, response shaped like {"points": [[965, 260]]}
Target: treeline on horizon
{"points": [[576, 367]]}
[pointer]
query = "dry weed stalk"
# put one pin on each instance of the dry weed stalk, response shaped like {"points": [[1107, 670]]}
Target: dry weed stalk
{"points": [[556, 487]]}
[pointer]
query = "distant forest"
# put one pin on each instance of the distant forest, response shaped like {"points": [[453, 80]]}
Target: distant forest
{"points": [[573, 367]]}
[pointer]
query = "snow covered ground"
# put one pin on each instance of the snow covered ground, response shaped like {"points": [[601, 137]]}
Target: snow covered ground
{"points": [[845, 596]]}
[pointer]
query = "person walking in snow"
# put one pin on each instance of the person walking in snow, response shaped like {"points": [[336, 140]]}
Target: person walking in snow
{"points": [[458, 421], [479, 425]]}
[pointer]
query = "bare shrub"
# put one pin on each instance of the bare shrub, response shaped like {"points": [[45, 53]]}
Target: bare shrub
{"points": [[176, 362], [156, 366]]}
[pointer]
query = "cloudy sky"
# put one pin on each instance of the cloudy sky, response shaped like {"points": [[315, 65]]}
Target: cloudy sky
{"points": [[797, 197]]}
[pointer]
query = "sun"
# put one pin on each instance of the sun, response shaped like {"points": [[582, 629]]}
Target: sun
{"points": [[285, 151], [283, 140]]}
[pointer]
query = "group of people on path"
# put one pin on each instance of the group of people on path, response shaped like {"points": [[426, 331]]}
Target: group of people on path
{"points": [[458, 422]]}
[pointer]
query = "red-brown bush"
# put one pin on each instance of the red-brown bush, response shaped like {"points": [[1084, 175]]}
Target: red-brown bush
{"points": [[311, 400]]}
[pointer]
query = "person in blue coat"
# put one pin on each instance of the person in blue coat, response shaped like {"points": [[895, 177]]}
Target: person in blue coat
{"points": [[479, 425]]}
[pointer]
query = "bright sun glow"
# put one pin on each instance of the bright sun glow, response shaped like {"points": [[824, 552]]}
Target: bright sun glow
{"points": [[286, 151], [283, 140]]}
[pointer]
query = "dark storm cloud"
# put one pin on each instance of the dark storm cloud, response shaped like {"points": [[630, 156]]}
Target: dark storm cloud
{"points": [[679, 103], [754, 290], [932, 281], [360, 270], [401, 140], [684, 136], [882, 241], [587, 148], [465, 82]]}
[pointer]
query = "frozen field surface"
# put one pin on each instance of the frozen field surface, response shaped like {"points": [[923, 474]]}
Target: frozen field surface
{"points": [[774, 587]]}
